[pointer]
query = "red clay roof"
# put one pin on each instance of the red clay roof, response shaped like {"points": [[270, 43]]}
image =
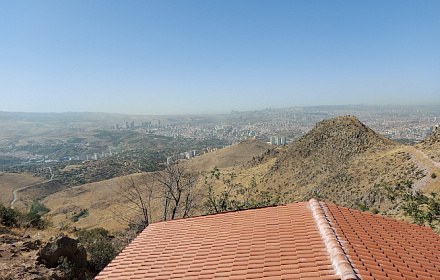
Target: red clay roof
{"points": [[305, 240]]}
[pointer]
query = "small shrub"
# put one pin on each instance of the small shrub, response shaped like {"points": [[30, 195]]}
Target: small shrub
{"points": [[99, 247], [8, 216], [38, 208], [88, 236], [101, 253], [68, 268], [82, 214], [64, 225], [374, 211], [362, 207], [433, 175]]}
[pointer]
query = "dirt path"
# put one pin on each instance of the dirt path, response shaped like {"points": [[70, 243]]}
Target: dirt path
{"points": [[14, 193], [424, 163]]}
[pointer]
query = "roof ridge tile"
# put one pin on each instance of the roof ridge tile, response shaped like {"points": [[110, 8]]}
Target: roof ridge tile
{"points": [[338, 258]]}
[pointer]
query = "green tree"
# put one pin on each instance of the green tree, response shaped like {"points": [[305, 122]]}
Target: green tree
{"points": [[99, 247], [9, 216]]}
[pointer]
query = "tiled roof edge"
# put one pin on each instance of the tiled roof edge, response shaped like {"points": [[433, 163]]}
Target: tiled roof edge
{"points": [[222, 213], [340, 262]]}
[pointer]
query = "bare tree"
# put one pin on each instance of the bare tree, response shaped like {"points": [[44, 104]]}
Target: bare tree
{"points": [[139, 194], [165, 195], [180, 194]]}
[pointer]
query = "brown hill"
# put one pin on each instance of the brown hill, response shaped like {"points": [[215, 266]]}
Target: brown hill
{"points": [[12, 181], [332, 144], [96, 200], [338, 140], [342, 161], [236, 154]]}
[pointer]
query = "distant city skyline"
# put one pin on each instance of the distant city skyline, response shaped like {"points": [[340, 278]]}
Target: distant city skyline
{"points": [[180, 57]]}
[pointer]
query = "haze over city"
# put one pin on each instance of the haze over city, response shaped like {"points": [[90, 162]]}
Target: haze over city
{"points": [[177, 57]]}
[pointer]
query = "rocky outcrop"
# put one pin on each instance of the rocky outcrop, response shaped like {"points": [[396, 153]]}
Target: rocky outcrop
{"points": [[433, 138], [64, 251]]}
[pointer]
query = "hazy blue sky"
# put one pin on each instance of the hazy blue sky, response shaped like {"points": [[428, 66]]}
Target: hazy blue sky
{"points": [[162, 57]]}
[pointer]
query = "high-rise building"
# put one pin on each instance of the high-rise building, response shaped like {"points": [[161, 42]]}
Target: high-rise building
{"points": [[279, 141], [283, 140]]}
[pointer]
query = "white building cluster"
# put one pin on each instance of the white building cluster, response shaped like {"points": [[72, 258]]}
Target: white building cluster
{"points": [[184, 155], [278, 141]]}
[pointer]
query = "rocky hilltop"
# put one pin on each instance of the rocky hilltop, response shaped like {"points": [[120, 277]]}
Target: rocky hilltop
{"points": [[337, 141], [341, 161]]}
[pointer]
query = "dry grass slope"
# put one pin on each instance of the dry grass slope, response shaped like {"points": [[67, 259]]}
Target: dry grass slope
{"points": [[236, 154], [11, 181], [102, 201]]}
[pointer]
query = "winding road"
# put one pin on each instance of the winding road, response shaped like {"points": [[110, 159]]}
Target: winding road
{"points": [[14, 193]]}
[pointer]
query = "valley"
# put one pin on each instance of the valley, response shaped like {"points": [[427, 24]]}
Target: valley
{"points": [[339, 160]]}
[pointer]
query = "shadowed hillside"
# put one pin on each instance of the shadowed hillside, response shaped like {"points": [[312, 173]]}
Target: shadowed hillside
{"points": [[433, 139]]}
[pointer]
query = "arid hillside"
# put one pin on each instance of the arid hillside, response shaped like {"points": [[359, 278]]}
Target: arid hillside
{"points": [[103, 204], [340, 161], [97, 201], [11, 181]]}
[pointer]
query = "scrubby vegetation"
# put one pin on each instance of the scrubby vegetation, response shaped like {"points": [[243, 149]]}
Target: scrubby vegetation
{"points": [[38, 208], [14, 218], [236, 196], [423, 209], [81, 214], [99, 246]]}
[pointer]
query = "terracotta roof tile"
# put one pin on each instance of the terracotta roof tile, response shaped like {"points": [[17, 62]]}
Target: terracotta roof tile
{"points": [[383, 245], [306, 240]]}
